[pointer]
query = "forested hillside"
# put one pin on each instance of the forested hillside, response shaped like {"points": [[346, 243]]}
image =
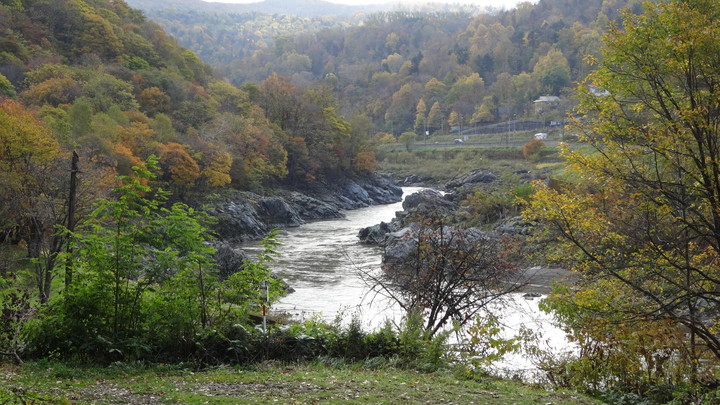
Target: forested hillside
{"points": [[300, 8], [410, 70], [106, 127], [98, 80], [103, 80]]}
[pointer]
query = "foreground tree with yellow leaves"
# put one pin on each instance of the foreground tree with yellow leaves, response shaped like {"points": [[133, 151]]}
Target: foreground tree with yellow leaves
{"points": [[641, 217]]}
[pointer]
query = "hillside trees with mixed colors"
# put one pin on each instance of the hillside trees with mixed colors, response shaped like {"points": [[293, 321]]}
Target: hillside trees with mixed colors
{"points": [[104, 79], [484, 67], [98, 78]]}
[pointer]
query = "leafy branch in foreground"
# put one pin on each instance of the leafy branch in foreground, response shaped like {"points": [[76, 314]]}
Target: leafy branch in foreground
{"points": [[643, 227]]}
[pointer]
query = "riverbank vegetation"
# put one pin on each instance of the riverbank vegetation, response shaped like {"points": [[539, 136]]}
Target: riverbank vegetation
{"points": [[435, 166]]}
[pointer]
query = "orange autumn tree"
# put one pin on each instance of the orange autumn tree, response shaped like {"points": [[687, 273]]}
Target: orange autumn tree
{"points": [[253, 153], [365, 162], [178, 165]]}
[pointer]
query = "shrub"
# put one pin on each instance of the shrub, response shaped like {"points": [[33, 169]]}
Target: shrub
{"points": [[531, 150], [364, 162]]}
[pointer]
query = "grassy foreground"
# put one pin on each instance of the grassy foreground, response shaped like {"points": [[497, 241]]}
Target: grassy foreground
{"points": [[56, 383]]}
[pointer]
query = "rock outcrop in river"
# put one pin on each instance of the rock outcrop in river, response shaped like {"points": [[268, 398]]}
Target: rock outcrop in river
{"points": [[434, 204], [424, 203], [399, 243]]}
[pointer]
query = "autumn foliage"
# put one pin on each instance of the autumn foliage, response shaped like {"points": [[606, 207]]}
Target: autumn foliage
{"points": [[364, 162], [641, 225], [178, 165], [532, 149]]}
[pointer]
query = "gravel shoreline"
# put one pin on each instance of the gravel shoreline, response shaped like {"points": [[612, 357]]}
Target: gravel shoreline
{"points": [[540, 279]]}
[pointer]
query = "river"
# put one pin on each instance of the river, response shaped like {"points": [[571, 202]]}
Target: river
{"points": [[323, 262]]}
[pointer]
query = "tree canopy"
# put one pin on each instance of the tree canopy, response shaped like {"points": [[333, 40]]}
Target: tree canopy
{"points": [[641, 223]]}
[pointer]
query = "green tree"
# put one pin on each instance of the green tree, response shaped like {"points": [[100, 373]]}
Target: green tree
{"points": [[130, 252], [645, 221], [482, 114], [254, 283], [111, 248], [399, 114], [421, 116], [408, 139], [104, 91], [553, 72], [6, 88], [466, 93], [278, 98], [80, 117], [435, 90]]}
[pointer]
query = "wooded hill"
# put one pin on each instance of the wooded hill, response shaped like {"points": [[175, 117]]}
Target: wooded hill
{"points": [[98, 79], [105, 81], [301, 8], [411, 70]]}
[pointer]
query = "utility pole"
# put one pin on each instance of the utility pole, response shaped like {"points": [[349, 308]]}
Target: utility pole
{"points": [[72, 198]]}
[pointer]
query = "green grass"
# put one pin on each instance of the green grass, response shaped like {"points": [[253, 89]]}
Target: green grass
{"points": [[55, 383], [441, 164]]}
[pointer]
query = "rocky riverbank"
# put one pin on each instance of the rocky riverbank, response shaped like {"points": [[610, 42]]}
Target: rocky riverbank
{"points": [[242, 216]]}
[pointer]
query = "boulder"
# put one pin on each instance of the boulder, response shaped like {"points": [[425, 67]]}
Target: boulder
{"points": [[356, 195], [429, 203], [400, 246], [414, 180], [309, 208], [238, 221], [426, 203], [356, 192], [228, 259], [425, 197], [278, 212], [382, 189], [376, 234], [514, 226], [477, 176]]}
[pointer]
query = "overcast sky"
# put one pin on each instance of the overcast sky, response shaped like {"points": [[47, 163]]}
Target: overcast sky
{"points": [[494, 3]]}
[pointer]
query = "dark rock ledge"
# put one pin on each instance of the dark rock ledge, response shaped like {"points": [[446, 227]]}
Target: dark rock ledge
{"points": [[244, 216]]}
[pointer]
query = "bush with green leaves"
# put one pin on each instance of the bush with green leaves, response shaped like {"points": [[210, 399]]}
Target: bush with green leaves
{"points": [[16, 308], [145, 284]]}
